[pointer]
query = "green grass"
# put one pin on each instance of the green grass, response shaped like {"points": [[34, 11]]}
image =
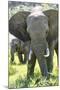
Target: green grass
{"points": [[18, 75]]}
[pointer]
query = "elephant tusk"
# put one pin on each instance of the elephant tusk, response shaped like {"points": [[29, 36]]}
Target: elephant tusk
{"points": [[30, 54], [48, 53]]}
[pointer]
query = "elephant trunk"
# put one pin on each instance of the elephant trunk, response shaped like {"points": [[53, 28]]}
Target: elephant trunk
{"points": [[39, 48]]}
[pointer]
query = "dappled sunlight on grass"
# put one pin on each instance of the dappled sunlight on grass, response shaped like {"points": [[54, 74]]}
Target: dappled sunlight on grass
{"points": [[21, 71], [19, 77]]}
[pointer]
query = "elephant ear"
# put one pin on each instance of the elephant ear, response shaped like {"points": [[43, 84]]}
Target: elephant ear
{"points": [[17, 26]]}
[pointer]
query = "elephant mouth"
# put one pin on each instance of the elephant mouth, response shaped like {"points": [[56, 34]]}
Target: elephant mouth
{"points": [[47, 53]]}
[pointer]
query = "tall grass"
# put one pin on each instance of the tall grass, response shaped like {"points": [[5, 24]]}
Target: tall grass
{"points": [[18, 75]]}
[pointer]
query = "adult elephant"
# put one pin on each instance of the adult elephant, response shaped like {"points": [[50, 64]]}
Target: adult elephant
{"points": [[18, 27], [43, 30], [18, 46]]}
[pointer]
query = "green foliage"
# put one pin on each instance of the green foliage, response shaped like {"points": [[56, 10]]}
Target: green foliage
{"points": [[18, 76], [43, 82]]}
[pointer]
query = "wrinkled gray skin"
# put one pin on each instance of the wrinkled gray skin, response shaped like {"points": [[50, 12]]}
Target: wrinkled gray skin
{"points": [[18, 46], [37, 27], [52, 37], [18, 27], [43, 29]]}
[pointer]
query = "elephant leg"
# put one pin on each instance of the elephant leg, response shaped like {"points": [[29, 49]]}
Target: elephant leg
{"points": [[39, 50], [50, 58], [12, 53], [20, 57], [41, 61], [31, 65], [43, 66]]}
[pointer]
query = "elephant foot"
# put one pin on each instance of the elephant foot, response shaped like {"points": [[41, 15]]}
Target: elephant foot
{"points": [[50, 75], [12, 61], [31, 65], [41, 79]]}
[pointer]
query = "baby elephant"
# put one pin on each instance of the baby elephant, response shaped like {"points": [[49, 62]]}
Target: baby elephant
{"points": [[18, 46]]}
